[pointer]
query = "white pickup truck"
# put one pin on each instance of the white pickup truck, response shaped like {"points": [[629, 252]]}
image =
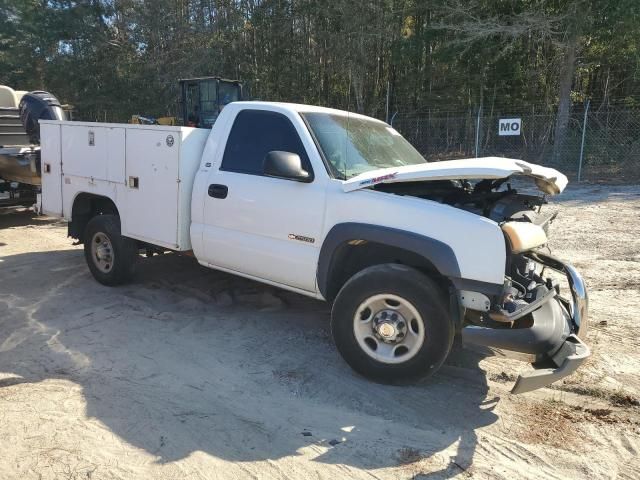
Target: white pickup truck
{"points": [[340, 207]]}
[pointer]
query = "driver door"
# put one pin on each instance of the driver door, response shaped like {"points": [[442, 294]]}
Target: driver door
{"points": [[261, 226]]}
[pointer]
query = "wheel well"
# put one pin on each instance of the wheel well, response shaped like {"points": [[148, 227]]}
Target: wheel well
{"points": [[356, 255], [85, 207]]}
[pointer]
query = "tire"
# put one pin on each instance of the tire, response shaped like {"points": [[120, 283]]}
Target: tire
{"points": [[414, 351], [110, 256]]}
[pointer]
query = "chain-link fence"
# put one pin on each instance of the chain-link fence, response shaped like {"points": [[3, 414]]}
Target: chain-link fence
{"points": [[598, 145]]}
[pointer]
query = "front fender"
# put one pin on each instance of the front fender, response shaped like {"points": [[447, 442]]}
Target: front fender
{"points": [[438, 253], [477, 242]]}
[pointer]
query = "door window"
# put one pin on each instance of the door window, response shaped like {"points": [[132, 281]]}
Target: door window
{"points": [[256, 133]]}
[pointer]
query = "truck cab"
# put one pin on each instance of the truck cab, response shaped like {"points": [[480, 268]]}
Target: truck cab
{"points": [[340, 207]]}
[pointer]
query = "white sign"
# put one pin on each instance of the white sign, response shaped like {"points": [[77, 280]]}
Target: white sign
{"points": [[509, 126]]}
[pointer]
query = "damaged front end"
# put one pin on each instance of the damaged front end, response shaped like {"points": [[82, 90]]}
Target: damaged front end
{"points": [[540, 313], [532, 320]]}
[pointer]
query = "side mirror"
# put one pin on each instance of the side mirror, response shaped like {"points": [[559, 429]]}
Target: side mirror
{"points": [[287, 165]]}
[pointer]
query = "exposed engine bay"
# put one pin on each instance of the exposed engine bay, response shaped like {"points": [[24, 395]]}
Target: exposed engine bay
{"points": [[525, 229], [486, 198]]}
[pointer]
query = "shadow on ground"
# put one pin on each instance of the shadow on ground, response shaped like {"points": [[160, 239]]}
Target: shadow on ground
{"points": [[188, 359], [20, 216]]}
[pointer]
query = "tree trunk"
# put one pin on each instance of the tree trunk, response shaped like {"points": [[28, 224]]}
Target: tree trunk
{"points": [[564, 100]]}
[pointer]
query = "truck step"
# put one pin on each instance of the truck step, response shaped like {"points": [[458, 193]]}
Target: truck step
{"points": [[9, 111], [11, 127], [14, 139], [10, 120]]}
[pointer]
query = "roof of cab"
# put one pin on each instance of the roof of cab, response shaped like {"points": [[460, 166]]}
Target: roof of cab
{"points": [[301, 108]]}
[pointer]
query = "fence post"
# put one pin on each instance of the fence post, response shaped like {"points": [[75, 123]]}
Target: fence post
{"points": [[584, 131], [478, 131], [393, 118], [386, 115]]}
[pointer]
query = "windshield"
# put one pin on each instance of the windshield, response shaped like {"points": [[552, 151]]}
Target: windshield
{"points": [[354, 145]]}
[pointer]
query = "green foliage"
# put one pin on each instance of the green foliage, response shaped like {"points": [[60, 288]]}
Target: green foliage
{"points": [[114, 58]]}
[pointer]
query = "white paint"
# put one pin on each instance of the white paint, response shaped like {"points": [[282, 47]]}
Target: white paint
{"points": [[509, 126], [51, 180], [467, 234], [248, 233], [469, 168], [159, 210], [249, 230]]}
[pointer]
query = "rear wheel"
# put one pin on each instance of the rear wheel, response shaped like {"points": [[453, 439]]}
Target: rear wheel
{"points": [[390, 324], [110, 256]]}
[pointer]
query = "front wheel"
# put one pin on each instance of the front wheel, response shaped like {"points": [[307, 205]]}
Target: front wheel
{"points": [[110, 256], [389, 322]]}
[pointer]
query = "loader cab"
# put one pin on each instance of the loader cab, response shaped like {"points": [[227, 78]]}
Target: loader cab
{"points": [[202, 99]]}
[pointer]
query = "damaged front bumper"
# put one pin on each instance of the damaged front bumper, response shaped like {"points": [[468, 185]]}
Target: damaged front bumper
{"points": [[552, 341]]}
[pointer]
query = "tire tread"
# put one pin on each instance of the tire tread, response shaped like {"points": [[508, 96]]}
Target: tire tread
{"points": [[423, 293], [125, 250]]}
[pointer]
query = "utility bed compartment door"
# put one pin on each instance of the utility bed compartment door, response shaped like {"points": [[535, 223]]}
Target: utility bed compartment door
{"points": [[51, 168], [94, 152], [152, 166]]}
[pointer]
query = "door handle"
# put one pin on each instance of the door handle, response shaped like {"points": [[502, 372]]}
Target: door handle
{"points": [[218, 191]]}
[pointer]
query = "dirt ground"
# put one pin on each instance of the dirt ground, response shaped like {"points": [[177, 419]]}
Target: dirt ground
{"points": [[190, 373]]}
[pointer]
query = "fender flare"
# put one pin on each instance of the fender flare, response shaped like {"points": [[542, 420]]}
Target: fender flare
{"points": [[438, 253], [90, 195], [77, 222]]}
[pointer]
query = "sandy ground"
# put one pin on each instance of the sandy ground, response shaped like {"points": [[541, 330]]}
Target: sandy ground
{"points": [[190, 373]]}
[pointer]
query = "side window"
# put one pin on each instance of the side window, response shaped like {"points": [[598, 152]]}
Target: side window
{"points": [[254, 134]]}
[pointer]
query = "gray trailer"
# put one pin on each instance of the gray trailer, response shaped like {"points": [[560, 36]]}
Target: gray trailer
{"points": [[20, 112]]}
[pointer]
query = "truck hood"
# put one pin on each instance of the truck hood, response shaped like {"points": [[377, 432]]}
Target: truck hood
{"points": [[547, 179]]}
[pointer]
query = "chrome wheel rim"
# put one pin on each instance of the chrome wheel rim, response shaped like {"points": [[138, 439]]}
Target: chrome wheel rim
{"points": [[388, 328], [102, 252]]}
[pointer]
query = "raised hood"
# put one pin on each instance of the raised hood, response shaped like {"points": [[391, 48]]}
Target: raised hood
{"points": [[547, 179]]}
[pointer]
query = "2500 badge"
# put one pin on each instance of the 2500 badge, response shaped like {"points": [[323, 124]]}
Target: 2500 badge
{"points": [[301, 238]]}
